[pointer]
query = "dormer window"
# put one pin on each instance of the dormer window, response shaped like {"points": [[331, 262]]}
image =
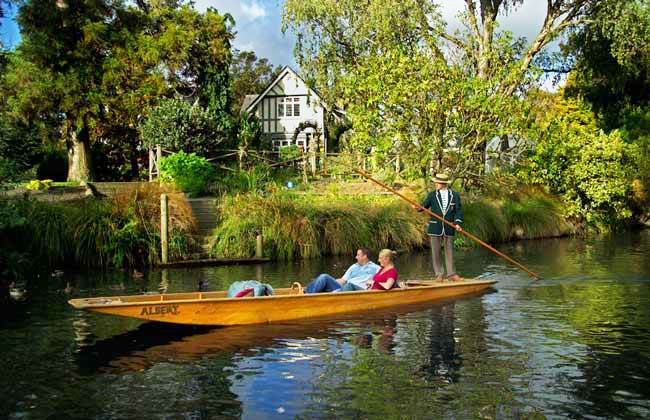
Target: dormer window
{"points": [[289, 107]]}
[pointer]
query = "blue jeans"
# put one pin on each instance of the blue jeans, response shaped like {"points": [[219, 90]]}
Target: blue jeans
{"points": [[349, 287], [322, 283]]}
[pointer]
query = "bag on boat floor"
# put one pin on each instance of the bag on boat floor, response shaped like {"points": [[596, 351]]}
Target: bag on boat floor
{"points": [[238, 288]]}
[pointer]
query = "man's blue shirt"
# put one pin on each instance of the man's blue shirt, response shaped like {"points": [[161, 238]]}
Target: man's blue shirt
{"points": [[358, 274]]}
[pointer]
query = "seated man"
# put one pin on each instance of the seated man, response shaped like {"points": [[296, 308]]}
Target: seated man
{"points": [[355, 277]]}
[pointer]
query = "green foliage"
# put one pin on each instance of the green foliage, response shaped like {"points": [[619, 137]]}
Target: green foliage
{"points": [[37, 184], [13, 262], [311, 226], [408, 85], [94, 69], [307, 226], [256, 178], [612, 59], [93, 233], [249, 75], [53, 165], [592, 171], [179, 126], [191, 173], [250, 134], [20, 148], [288, 153], [529, 214]]}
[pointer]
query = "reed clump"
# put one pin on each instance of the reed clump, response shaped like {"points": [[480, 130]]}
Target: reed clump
{"points": [[123, 231], [306, 226], [309, 226], [527, 214]]}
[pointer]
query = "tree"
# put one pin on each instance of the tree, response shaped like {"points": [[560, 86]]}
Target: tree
{"points": [[63, 47], [589, 169], [249, 75], [177, 52], [611, 56], [101, 65], [405, 81]]}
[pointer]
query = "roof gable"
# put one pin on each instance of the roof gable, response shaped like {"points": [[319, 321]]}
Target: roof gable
{"points": [[278, 87]]}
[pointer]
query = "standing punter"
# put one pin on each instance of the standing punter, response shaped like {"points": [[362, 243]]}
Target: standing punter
{"points": [[445, 203]]}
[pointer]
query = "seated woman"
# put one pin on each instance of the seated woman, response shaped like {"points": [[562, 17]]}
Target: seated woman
{"points": [[386, 278]]}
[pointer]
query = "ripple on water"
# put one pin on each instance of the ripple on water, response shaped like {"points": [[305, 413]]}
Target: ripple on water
{"points": [[574, 344]]}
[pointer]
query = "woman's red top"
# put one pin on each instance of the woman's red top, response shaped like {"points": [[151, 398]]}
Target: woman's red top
{"points": [[382, 278]]}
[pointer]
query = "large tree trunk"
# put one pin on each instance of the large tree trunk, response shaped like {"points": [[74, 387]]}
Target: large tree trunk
{"points": [[79, 167]]}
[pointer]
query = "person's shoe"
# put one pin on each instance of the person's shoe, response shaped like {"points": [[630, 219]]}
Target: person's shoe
{"points": [[440, 279], [454, 277]]}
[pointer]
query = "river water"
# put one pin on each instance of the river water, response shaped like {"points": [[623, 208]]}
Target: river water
{"points": [[575, 344]]}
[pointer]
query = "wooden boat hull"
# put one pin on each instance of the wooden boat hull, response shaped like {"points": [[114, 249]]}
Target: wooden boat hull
{"points": [[214, 308]]}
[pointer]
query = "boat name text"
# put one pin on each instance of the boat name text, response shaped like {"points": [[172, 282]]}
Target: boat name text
{"points": [[160, 310]]}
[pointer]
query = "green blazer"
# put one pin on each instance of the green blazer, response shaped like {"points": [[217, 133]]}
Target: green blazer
{"points": [[454, 213]]}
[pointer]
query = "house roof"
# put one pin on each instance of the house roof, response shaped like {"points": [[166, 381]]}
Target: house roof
{"points": [[271, 85]]}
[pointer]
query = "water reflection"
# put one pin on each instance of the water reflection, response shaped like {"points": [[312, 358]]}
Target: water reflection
{"points": [[152, 342], [572, 345]]}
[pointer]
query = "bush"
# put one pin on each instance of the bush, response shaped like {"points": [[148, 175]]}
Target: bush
{"points": [[38, 184], [179, 126], [592, 171], [190, 173], [54, 165]]}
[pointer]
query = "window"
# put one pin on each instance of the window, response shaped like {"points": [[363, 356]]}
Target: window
{"points": [[281, 140], [289, 107]]}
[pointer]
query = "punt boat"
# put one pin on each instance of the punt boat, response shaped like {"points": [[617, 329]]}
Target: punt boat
{"points": [[287, 304]]}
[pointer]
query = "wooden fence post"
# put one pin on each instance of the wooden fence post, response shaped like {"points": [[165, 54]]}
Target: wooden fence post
{"points": [[164, 245], [259, 250], [158, 158], [150, 165]]}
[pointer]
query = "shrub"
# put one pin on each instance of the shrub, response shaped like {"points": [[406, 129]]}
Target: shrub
{"points": [[101, 233], [179, 126], [38, 184], [592, 171], [189, 172]]}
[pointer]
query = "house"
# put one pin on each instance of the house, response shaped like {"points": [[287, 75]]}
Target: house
{"points": [[288, 109]]}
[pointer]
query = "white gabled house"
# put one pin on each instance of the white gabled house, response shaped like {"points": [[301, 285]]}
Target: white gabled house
{"points": [[283, 106]]}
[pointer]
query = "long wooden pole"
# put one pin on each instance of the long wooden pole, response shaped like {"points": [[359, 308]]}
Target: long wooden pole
{"points": [[432, 214]]}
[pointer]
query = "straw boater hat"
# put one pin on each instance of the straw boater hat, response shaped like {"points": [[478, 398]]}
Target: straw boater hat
{"points": [[441, 179]]}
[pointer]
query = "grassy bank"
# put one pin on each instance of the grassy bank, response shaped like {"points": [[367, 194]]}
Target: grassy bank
{"points": [[117, 232], [305, 226]]}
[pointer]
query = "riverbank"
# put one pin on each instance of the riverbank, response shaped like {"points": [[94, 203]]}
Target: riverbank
{"points": [[122, 230], [296, 226]]}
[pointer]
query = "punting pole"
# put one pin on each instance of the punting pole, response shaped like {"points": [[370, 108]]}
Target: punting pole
{"points": [[463, 231]]}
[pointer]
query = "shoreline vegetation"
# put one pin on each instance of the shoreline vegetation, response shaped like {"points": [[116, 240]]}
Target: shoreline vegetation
{"points": [[122, 231], [306, 226]]}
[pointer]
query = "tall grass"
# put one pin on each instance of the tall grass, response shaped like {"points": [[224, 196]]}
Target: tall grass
{"points": [[295, 226], [310, 226], [528, 214], [118, 232]]}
